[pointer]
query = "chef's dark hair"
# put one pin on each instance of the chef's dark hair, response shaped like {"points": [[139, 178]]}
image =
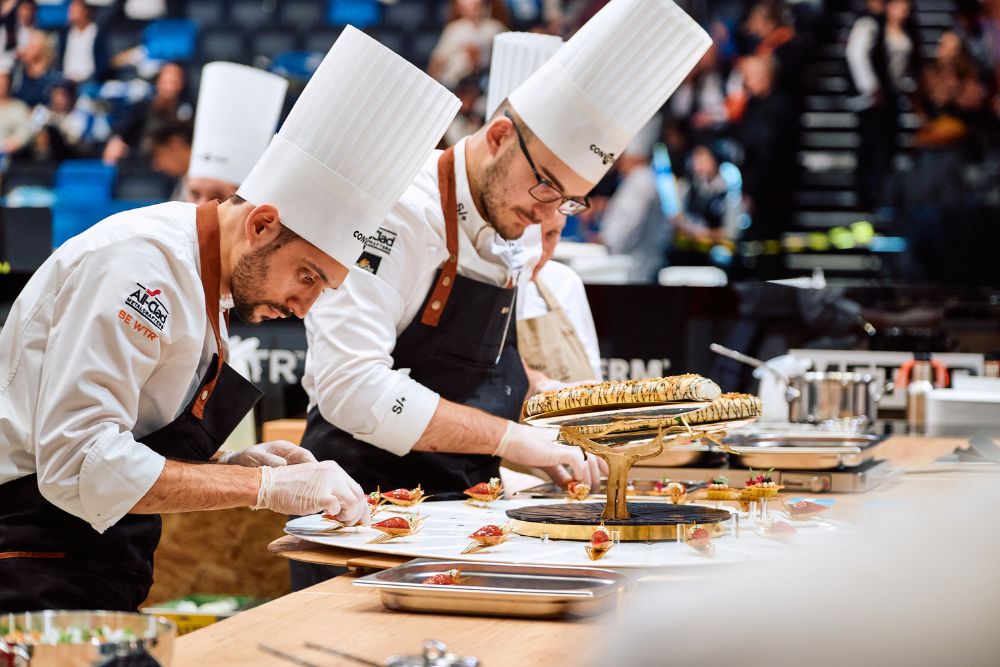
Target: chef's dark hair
{"points": [[524, 129]]}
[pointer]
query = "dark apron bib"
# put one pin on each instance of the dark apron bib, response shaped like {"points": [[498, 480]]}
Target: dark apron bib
{"points": [[50, 559], [466, 352]]}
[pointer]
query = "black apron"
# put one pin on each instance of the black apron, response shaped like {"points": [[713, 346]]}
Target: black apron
{"points": [[466, 352], [50, 559]]}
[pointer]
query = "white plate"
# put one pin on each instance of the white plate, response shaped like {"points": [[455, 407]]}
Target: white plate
{"points": [[445, 535]]}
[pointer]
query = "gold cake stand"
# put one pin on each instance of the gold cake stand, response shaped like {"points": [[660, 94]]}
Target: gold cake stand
{"points": [[621, 450]]}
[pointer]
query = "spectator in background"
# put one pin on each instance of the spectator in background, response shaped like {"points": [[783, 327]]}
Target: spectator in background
{"points": [[700, 102], [83, 53], [59, 138], [634, 223], [883, 55], [950, 96], [470, 114], [707, 217], [33, 76], [770, 24], [15, 120], [169, 146], [768, 134], [168, 104], [465, 43]]}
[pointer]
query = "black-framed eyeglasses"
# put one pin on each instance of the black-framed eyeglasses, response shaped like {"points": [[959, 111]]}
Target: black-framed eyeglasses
{"points": [[543, 190]]}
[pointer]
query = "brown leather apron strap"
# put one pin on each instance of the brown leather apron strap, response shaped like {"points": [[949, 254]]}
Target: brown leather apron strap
{"points": [[207, 219], [32, 554], [449, 206]]}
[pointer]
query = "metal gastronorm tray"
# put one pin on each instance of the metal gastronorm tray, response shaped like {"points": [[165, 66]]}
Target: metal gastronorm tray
{"points": [[803, 452], [499, 589]]}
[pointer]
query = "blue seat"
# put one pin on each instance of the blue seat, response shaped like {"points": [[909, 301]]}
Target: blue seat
{"points": [[206, 14], [52, 16], [89, 178], [224, 44], [359, 13], [302, 15], [251, 14], [299, 65], [171, 39]]}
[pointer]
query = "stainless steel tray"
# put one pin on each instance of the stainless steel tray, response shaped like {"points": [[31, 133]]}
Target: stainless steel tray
{"points": [[815, 451], [642, 488], [814, 439], [499, 589]]}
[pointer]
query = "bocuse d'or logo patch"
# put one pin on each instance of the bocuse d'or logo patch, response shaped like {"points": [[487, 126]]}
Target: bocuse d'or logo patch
{"points": [[376, 247], [606, 158], [146, 303]]}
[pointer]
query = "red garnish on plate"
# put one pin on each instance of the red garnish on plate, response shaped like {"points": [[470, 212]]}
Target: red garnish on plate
{"points": [[399, 494], [699, 538], [488, 531], [394, 522]]}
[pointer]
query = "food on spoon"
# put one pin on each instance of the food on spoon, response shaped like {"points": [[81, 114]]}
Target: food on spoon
{"points": [[491, 535], [404, 497], [396, 526], [600, 543], [486, 492]]}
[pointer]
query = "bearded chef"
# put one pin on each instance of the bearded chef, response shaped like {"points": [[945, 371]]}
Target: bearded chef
{"points": [[115, 390], [238, 111], [412, 370], [556, 336]]}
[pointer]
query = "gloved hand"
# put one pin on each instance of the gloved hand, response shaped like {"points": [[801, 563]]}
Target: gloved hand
{"points": [[312, 487], [274, 453], [534, 446]]}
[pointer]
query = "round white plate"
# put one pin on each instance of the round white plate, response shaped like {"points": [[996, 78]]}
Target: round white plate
{"points": [[448, 525]]}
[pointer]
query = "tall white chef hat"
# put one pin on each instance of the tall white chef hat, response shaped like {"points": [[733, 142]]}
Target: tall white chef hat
{"points": [[238, 111], [357, 136], [588, 100], [516, 56]]}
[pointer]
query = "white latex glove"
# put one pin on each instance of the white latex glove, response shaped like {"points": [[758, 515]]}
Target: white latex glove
{"points": [[273, 454], [534, 446], [312, 487]]}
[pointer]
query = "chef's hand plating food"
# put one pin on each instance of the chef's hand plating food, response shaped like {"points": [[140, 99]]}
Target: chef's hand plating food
{"points": [[533, 446], [308, 488]]}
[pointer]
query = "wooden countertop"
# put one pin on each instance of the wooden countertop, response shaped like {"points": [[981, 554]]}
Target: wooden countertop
{"points": [[354, 620]]}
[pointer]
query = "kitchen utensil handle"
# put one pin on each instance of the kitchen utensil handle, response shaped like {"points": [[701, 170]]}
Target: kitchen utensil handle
{"points": [[341, 654], [738, 356], [286, 656]]}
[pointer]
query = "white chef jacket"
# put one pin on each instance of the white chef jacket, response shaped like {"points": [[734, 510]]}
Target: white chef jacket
{"points": [[105, 344], [567, 288], [352, 331]]}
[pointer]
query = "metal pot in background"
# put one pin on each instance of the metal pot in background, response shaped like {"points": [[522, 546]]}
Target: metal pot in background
{"points": [[151, 644], [835, 395]]}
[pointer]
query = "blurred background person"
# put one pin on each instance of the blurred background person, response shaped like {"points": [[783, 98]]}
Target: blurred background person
{"points": [[464, 46], [883, 55], [83, 51]]}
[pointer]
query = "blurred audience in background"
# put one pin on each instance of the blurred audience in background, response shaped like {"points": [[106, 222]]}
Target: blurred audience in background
{"points": [[806, 115]]}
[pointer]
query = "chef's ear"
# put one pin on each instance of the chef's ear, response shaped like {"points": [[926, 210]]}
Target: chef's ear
{"points": [[262, 225], [499, 131]]}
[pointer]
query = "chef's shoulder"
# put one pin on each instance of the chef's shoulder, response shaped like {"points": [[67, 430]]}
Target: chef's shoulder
{"points": [[410, 242], [140, 269]]}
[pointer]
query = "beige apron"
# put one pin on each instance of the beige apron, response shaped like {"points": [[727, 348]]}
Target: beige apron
{"points": [[549, 343]]}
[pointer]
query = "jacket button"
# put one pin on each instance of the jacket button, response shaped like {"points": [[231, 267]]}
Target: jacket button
{"points": [[204, 395], [435, 305]]}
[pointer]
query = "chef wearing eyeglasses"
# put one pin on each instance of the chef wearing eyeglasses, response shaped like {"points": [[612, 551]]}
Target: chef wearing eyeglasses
{"points": [[412, 369]]}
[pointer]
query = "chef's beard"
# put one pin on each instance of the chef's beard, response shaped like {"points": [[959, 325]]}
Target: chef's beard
{"points": [[249, 280], [494, 200]]}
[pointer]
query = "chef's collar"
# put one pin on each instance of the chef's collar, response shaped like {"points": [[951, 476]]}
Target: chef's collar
{"points": [[489, 245]]}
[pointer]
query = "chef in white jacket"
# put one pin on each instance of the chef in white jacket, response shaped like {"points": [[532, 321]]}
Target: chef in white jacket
{"points": [[413, 372], [238, 111], [113, 390]]}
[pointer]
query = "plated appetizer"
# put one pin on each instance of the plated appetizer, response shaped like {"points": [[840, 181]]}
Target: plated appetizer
{"points": [[805, 510], [699, 539], [761, 486], [600, 543], [719, 489], [578, 490], [486, 492], [397, 526], [486, 537], [449, 578], [404, 497]]}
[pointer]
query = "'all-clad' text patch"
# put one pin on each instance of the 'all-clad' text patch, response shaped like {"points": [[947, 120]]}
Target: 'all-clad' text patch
{"points": [[146, 303], [376, 247]]}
